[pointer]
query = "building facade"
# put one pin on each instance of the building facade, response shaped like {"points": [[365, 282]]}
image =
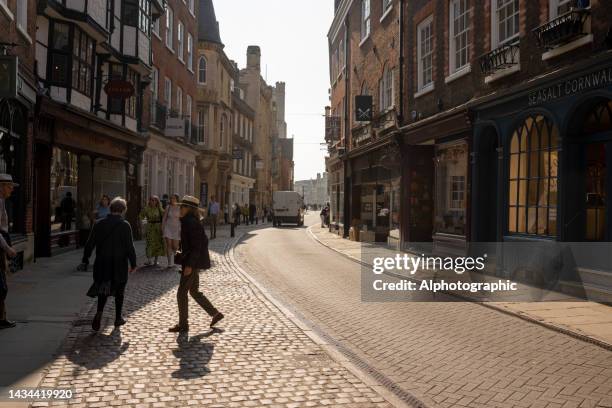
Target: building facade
{"points": [[242, 179], [170, 159], [217, 76], [314, 191], [93, 65], [18, 119]]}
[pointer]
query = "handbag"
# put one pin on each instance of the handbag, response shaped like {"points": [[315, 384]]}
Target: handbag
{"points": [[178, 258]]}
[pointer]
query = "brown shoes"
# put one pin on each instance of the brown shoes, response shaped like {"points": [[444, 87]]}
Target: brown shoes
{"points": [[216, 318]]}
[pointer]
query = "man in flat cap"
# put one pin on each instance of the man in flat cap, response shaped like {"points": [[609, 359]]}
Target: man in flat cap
{"points": [[6, 250]]}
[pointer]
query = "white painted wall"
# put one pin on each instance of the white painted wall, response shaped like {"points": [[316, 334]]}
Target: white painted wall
{"points": [[129, 41], [58, 94], [78, 5], [80, 101], [143, 47], [97, 10]]}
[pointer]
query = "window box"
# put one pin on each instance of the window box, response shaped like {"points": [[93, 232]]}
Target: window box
{"points": [[563, 29], [505, 57]]}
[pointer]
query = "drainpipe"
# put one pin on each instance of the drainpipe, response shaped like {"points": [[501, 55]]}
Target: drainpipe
{"points": [[400, 115]]}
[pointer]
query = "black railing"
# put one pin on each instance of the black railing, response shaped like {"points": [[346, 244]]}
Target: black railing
{"points": [[504, 56], [563, 29]]}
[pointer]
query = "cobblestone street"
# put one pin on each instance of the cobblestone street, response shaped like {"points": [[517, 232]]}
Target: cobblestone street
{"points": [[257, 357]]}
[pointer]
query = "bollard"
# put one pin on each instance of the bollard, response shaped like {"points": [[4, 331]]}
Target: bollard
{"points": [[232, 233]]}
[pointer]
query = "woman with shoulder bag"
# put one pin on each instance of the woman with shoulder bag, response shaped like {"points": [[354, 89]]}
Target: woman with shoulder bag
{"points": [[154, 215], [193, 257]]}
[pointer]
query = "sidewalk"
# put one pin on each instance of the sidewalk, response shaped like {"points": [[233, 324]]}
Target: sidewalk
{"points": [[44, 299], [256, 357], [589, 321]]}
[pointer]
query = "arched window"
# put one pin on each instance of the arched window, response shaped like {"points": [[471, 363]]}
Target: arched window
{"points": [[202, 70], [533, 182]]}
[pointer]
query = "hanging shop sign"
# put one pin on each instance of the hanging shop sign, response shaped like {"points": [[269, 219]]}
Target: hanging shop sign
{"points": [[119, 88], [363, 108], [175, 127], [8, 76], [332, 128]]}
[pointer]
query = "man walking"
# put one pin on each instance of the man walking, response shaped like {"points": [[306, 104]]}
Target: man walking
{"points": [[213, 212], [6, 250]]}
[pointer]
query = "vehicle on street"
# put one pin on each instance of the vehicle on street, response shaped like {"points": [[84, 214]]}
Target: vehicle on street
{"points": [[288, 208]]}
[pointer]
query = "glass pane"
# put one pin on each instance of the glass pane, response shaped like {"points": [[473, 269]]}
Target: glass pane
{"points": [[514, 166], [543, 192], [514, 144], [542, 221], [531, 220], [554, 137], [533, 192], [552, 221], [522, 192], [522, 218], [58, 70], [60, 37], [523, 165], [552, 192], [534, 169], [554, 163], [512, 219], [512, 192], [524, 136]]}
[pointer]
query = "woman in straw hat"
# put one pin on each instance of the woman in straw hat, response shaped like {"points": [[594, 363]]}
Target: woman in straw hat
{"points": [[194, 257]]}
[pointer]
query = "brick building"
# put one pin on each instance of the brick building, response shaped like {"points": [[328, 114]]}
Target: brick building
{"points": [[18, 117], [170, 159], [243, 164], [504, 110]]}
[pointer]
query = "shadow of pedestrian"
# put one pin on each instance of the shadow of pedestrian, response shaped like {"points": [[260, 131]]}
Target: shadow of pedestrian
{"points": [[98, 350], [193, 355]]}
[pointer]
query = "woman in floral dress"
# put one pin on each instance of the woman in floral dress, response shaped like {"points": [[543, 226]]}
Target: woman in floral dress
{"points": [[171, 228], [154, 215]]}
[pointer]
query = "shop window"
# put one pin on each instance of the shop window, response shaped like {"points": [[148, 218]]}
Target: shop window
{"points": [[82, 62], [59, 53], [533, 183], [64, 182], [12, 158], [451, 176]]}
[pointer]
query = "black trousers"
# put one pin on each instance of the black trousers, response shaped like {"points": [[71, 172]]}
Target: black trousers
{"points": [[119, 294], [3, 285], [191, 284]]}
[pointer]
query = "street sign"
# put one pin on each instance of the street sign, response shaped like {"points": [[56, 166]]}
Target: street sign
{"points": [[363, 108], [237, 154], [8, 76], [175, 127], [332, 128], [119, 88]]}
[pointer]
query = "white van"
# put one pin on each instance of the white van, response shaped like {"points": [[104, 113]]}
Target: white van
{"points": [[288, 207]]}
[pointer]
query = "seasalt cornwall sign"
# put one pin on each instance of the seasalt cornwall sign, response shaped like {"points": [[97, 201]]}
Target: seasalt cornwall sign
{"points": [[593, 80]]}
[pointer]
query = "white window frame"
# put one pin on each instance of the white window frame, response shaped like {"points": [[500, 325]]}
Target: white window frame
{"points": [[554, 7], [366, 19], [155, 83], [188, 108], [386, 90], [190, 52], [192, 7], [422, 86], [202, 57], [168, 92], [169, 28], [341, 56], [179, 101], [386, 6], [202, 116], [156, 25], [180, 40], [452, 36], [5, 9], [22, 15], [495, 34]]}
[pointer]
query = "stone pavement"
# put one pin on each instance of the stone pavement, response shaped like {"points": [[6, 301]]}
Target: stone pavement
{"points": [[588, 320], [256, 358]]}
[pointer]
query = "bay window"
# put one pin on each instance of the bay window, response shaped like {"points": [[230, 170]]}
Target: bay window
{"points": [[82, 62]]}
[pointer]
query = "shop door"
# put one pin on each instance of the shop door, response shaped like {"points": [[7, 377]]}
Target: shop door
{"points": [[596, 189], [418, 187]]}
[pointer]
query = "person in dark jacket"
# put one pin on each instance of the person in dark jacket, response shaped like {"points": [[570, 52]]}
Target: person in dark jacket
{"points": [[194, 257], [115, 257]]}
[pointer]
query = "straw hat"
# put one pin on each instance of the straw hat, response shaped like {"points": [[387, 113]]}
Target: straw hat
{"points": [[190, 201], [7, 178]]}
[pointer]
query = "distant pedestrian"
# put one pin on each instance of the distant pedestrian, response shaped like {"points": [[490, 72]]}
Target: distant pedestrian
{"points": [[67, 206], [103, 207], [6, 249], [164, 201], [115, 257], [154, 215], [171, 228], [323, 215], [245, 214], [237, 213], [252, 212], [226, 214], [194, 257], [213, 213]]}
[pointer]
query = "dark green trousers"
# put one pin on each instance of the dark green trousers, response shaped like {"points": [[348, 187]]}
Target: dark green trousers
{"points": [[191, 284]]}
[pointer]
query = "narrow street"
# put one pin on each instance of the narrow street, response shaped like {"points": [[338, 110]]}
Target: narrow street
{"points": [[445, 354]]}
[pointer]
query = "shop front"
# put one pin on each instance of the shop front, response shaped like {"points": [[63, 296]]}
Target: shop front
{"points": [[335, 168], [435, 184], [74, 168], [375, 193], [540, 164]]}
